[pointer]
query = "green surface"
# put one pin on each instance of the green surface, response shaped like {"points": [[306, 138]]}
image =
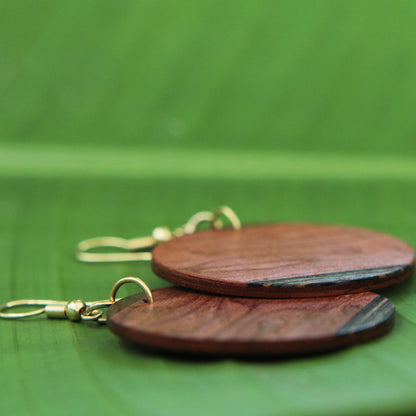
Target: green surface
{"points": [[293, 75], [116, 117]]}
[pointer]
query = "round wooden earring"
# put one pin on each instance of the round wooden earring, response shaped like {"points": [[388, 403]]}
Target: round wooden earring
{"points": [[284, 260], [184, 321], [179, 320]]}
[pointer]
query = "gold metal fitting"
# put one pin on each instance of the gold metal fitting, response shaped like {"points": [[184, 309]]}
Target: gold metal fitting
{"points": [[139, 249], [76, 310]]}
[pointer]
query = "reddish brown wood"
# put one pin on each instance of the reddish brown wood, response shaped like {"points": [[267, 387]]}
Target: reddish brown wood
{"points": [[284, 260], [185, 321]]}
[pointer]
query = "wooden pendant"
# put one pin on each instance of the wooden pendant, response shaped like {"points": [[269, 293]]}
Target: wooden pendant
{"points": [[284, 260], [185, 321]]}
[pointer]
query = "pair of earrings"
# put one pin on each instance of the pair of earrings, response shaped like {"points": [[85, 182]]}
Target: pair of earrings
{"points": [[274, 289]]}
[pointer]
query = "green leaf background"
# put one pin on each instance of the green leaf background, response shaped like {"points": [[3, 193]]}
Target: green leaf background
{"points": [[116, 117]]}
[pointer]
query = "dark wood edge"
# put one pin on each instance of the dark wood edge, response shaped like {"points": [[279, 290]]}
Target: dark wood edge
{"points": [[205, 284]]}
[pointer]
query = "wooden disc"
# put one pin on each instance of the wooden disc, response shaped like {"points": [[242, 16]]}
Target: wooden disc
{"points": [[284, 260], [185, 321]]}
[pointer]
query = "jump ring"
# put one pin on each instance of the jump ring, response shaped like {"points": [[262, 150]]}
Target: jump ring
{"points": [[228, 213], [137, 281]]}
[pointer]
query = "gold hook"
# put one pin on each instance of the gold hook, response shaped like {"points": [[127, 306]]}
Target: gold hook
{"points": [[139, 249], [136, 246], [75, 310]]}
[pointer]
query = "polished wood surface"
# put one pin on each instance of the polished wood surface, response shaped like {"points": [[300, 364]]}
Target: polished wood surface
{"points": [[181, 320], [284, 260]]}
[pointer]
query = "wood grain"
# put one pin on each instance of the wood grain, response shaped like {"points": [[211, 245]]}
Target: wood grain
{"points": [[284, 260], [185, 321]]}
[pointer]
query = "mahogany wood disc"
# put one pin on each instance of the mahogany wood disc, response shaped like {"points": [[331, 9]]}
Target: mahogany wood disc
{"points": [[284, 260], [181, 320]]}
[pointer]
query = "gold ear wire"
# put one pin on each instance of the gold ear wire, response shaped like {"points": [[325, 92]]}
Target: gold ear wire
{"points": [[140, 249], [76, 310]]}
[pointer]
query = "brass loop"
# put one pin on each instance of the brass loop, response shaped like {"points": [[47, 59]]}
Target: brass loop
{"points": [[92, 312], [94, 306], [137, 281], [94, 315], [27, 302], [214, 218], [229, 214]]}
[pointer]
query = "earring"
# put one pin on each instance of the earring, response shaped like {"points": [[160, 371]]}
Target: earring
{"points": [[268, 260], [180, 320]]}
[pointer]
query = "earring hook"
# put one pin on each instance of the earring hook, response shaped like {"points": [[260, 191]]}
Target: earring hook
{"points": [[75, 310], [140, 249]]}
